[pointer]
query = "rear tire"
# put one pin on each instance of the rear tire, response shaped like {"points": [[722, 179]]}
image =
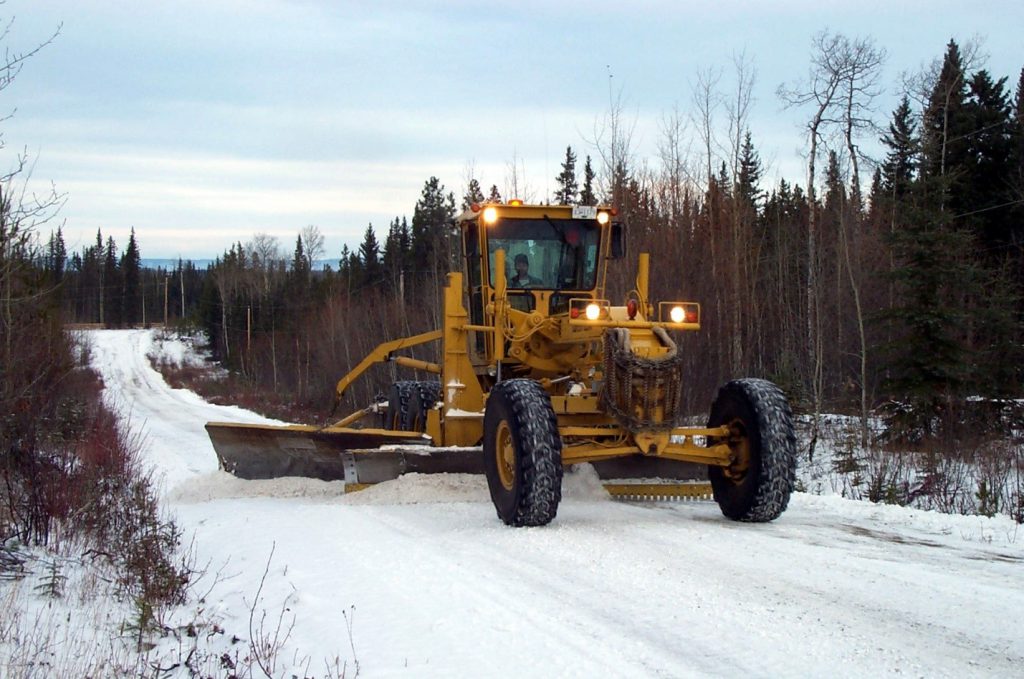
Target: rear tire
{"points": [[397, 416], [757, 486], [522, 453], [424, 399]]}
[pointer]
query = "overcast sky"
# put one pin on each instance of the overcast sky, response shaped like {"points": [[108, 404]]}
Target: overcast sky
{"points": [[203, 122]]}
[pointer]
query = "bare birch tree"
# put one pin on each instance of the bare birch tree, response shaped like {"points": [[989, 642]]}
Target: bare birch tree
{"points": [[861, 64], [821, 91], [312, 244], [739, 114], [613, 141]]}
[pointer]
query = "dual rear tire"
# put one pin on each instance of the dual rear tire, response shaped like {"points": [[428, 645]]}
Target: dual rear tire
{"points": [[408, 403]]}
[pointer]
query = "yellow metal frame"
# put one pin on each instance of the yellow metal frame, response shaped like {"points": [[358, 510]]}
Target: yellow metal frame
{"points": [[546, 348]]}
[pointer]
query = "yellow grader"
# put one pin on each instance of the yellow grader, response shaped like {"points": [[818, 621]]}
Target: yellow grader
{"points": [[539, 371]]}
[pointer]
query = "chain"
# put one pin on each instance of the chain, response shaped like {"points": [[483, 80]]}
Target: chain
{"points": [[635, 387]]}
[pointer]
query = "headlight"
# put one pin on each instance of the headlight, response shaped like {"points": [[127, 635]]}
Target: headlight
{"points": [[602, 217], [593, 312], [677, 314], [490, 215]]}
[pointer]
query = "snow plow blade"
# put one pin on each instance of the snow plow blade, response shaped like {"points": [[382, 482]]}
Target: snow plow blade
{"points": [[363, 457], [356, 456]]}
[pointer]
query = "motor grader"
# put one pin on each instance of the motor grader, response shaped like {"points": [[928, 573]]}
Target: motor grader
{"points": [[541, 373]]}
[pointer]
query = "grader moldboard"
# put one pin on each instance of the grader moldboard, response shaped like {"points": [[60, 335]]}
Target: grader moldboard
{"points": [[541, 372]]}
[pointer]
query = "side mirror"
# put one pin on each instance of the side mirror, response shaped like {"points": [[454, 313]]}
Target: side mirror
{"points": [[618, 250]]}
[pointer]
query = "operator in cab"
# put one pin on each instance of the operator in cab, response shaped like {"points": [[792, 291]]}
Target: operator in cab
{"points": [[523, 279]]}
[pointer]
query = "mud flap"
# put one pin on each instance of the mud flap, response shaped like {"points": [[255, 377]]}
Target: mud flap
{"points": [[356, 456]]}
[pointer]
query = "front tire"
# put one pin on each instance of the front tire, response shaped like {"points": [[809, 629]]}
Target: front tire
{"points": [[757, 485], [522, 453]]}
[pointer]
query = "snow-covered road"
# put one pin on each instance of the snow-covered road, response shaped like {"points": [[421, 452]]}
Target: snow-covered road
{"points": [[433, 584]]}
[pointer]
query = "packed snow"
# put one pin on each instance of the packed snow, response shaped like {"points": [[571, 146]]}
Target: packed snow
{"points": [[419, 578]]}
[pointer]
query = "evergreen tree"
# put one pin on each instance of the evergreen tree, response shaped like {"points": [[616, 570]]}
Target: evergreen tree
{"points": [[395, 257], [300, 269], [369, 254], [495, 195], [587, 195], [568, 188], [901, 158], [56, 257], [131, 281], [474, 194], [835, 188], [98, 287], [1016, 179], [112, 299], [747, 184], [927, 360], [988, 163], [945, 126], [1017, 133], [432, 249]]}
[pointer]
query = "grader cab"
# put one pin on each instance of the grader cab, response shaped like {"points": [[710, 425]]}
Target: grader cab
{"points": [[539, 371]]}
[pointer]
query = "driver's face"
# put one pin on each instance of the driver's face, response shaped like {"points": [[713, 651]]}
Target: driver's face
{"points": [[522, 267]]}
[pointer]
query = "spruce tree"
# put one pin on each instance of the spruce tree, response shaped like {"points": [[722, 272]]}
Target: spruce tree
{"points": [[131, 282], [474, 194], [112, 299], [900, 164], [747, 183], [930, 361], [587, 195], [495, 195], [987, 164], [395, 257], [945, 127], [1017, 134], [57, 255], [369, 255], [568, 187], [432, 249], [300, 269], [1016, 181]]}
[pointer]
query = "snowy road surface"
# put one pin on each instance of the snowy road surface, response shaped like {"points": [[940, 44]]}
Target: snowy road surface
{"points": [[431, 583]]}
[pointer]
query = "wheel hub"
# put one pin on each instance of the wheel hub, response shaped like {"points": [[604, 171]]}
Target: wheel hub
{"points": [[506, 456], [739, 446]]}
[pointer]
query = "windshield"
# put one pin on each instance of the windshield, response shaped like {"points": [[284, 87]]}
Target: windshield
{"points": [[556, 254]]}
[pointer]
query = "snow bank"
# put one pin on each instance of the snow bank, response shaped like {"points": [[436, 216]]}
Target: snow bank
{"points": [[220, 485]]}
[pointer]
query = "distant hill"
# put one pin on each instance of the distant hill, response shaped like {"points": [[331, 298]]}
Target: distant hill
{"points": [[171, 264]]}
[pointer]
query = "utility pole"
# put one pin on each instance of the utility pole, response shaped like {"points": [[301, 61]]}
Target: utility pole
{"points": [[167, 282]]}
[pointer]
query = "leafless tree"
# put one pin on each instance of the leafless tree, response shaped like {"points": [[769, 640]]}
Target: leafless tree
{"points": [[312, 244], [822, 92], [613, 141], [742, 221], [675, 154], [861, 63], [22, 210], [265, 253], [706, 100], [840, 90]]}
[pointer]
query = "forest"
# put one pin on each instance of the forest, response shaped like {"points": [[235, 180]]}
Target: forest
{"points": [[902, 298]]}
